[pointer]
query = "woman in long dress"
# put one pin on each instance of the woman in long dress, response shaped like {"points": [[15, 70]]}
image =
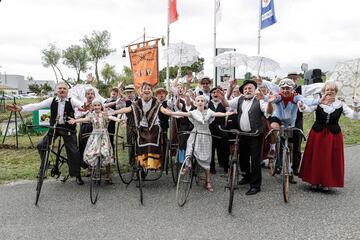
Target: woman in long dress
{"points": [[98, 143], [146, 115], [323, 161], [201, 149]]}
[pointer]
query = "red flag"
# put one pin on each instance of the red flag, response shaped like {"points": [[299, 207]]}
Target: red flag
{"points": [[173, 12]]}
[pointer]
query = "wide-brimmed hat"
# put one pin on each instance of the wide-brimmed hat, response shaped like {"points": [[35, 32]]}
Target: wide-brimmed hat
{"points": [[161, 90], [129, 88], [246, 82]]}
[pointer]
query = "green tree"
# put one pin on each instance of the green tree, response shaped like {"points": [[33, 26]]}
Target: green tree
{"points": [[196, 67], [45, 89], [248, 76], [109, 74], [50, 58], [98, 46], [35, 88], [126, 76], [76, 57]]}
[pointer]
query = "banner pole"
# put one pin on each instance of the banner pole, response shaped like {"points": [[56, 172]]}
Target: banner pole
{"points": [[215, 77], [167, 45], [259, 31]]}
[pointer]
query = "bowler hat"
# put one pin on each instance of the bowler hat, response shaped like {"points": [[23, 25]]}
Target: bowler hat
{"points": [[246, 82]]}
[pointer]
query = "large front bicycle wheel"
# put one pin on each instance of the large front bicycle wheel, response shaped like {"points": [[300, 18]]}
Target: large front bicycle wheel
{"points": [[123, 164], [140, 179], [184, 184], [233, 180], [285, 175], [41, 175], [60, 170], [174, 165], [95, 181]]}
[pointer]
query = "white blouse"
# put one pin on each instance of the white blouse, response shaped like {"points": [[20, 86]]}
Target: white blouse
{"points": [[348, 112]]}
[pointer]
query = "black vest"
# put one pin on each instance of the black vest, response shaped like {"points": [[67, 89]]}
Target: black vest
{"points": [[255, 115], [184, 124], [218, 121], [112, 124], [68, 113], [164, 119], [299, 114], [329, 121]]}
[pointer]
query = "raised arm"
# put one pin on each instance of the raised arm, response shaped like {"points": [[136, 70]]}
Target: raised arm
{"points": [[122, 110], [349, 113], [166, 111], [224, 102], [115, 119], [221, 114], [30, 107], [79, 120], [181, 114]]}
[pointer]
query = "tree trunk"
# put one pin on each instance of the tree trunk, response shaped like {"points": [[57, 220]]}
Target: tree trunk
{"points": [[78, 77], [57, 80], [62, 76], [96, 71]]}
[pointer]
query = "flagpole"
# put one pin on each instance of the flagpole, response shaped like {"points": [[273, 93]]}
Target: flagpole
{"points": [[259, 31], [215, 79], [167, 45]]}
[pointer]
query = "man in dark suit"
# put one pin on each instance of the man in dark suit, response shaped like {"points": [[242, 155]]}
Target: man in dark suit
{"points": [[250, 114], [61, 108]]}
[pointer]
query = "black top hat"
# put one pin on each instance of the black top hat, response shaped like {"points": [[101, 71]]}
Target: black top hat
{"points": [[245, 83]]}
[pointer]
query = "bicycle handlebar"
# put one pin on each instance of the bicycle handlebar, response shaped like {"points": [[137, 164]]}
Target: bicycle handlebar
{"points": [[238, 132], [287, 129], [196, 132], [85, 135], [52, 127]]}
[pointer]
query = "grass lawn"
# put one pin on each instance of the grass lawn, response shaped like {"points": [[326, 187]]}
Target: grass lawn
{"points": [[23, 163]]}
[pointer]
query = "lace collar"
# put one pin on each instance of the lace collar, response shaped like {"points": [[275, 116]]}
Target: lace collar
{"points": [[332, 107]]}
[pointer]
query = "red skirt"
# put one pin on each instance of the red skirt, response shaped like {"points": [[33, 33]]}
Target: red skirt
{"points": [[323, 160]]}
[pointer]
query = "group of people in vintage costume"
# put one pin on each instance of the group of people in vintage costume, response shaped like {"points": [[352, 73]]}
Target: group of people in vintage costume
{"points": [[256, 105]]}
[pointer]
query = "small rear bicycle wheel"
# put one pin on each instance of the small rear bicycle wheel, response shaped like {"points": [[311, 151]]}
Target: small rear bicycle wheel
{"points": [[95, 181], [184, 184], [233, 180], [285, 176], [41, 175]]}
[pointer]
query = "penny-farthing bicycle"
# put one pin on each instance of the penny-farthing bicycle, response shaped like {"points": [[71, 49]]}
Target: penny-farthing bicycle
{"points": [[129, 170], [54, 159]]}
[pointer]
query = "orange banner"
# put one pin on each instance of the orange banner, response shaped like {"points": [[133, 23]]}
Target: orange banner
{"points": [[144, 63]]}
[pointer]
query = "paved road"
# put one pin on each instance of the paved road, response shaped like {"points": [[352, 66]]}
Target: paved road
{"points": [[65, 211]]}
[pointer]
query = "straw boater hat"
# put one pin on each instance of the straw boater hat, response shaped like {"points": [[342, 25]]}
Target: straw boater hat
{"points": [[129, 88], [161, 90]]}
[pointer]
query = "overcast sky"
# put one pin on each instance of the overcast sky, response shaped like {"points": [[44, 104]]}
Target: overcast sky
{"points": [[317, 32]]}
